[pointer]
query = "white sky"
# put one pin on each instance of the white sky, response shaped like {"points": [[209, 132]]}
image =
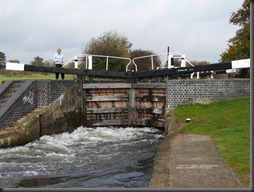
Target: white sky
{"points": [[198, 28]]}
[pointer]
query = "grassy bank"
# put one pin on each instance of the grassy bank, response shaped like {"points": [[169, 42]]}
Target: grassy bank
{"points": [[228, 123], [20, 75]]}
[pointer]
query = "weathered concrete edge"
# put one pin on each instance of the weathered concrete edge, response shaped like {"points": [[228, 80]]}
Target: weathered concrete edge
{"points": [[161, 168], [63, 111]]}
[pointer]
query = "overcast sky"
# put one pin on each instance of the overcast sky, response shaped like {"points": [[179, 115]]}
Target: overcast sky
{"points": [[198, 28]]}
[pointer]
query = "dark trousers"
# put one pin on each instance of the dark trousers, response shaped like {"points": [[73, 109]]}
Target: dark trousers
{"points": [[57, 74]]}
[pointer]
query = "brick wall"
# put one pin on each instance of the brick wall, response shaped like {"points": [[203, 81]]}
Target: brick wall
{"points": [[48, 91], [31, 95], [22, 103], [183, 91]]}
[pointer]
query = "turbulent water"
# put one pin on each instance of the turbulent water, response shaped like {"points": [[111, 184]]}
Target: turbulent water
{"points": [[86, 158]]}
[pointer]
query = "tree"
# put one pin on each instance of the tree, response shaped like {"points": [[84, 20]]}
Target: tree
{"points": [[14, 61], [38, 61], [198, 63], [239, 45], [145, 64], [47, 63], [2, 60], [110, 44]]}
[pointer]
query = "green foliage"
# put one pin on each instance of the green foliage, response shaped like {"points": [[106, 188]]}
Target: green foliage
{"points": [[242, 16], [38, 61], [111, 44], [144, 64], [239, 45], [14, 61], [228, 123], [2, 59], [46, 64]]}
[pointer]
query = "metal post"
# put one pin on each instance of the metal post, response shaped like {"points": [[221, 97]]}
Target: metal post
{"points": [[198, 75], [76, 62], [167, 54], [183, 62], [170, 57], [90, 62], [152, 61], [107, 64]]}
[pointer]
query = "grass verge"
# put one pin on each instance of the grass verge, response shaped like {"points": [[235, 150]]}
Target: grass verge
{"points": [[20, 75], [228, 123]]}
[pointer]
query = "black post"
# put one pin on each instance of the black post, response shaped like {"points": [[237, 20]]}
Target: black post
{"points": [[167, 54], [172, 61]]}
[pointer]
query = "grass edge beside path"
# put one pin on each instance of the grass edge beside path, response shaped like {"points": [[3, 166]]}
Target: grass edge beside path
{"points": [[228, 123]]}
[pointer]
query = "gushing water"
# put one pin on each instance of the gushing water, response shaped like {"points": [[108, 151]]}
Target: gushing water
{"points": [[100, 157]]}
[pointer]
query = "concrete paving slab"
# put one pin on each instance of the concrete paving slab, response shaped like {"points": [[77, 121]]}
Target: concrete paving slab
{"points": [[192, 162]]}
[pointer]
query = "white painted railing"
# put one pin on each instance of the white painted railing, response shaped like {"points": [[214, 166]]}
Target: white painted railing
{"points": [[175, 55], [79, 58], [88, 58]]}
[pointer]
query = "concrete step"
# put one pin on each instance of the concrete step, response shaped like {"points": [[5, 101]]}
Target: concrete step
{"points": [[2, 102], [9, 92]]}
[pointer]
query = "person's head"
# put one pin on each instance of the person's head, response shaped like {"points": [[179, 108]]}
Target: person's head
{"points": [[59, 51]]}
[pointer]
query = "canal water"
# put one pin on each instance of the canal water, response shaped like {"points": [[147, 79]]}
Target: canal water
{"points": [[102, 157]]}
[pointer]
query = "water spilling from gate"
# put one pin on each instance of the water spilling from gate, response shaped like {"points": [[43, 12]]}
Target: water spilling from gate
{"points": [[103, 157]]}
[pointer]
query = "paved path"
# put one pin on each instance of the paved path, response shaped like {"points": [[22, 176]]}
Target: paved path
{"points": [[191, 161]]}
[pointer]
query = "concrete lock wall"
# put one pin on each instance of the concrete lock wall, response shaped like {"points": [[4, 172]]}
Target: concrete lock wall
{"points": [[46, 117]]}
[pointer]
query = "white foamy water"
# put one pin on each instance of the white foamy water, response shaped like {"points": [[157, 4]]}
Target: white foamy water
{"points": [[100, 157]]}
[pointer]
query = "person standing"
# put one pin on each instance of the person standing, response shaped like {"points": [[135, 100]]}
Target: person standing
{"points": [[59, 60]]}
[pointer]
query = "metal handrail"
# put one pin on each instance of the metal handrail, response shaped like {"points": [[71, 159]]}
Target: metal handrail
{"points": [[170, 54], [72, 59], [173, 54], [106, 56], [142, 57], [103, 56]]}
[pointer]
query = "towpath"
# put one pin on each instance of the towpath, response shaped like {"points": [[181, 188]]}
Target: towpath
{"points": [[191, 161]]}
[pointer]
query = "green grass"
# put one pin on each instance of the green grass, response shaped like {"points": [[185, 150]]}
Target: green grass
{"points": [[20, 75], [228, 123]]}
